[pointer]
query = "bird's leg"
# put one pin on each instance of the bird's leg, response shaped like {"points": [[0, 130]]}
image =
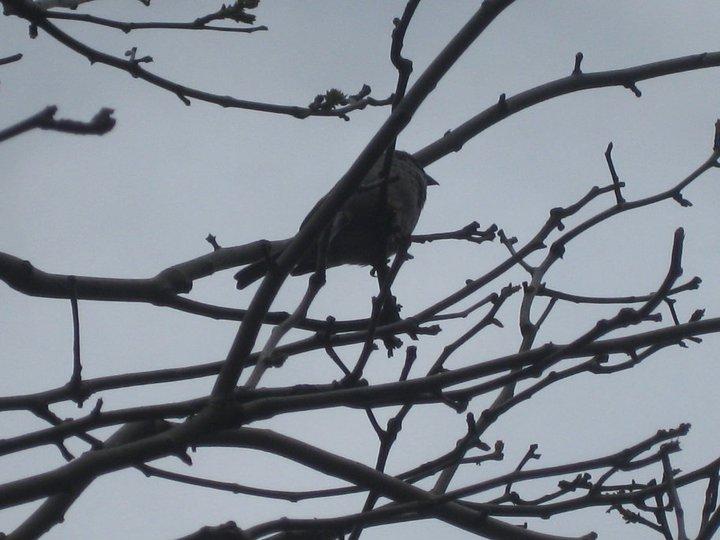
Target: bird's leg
{"points": [[389, 308]]}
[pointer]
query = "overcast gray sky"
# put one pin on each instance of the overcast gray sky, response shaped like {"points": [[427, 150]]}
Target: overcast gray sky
{"points": [[145, 196]]}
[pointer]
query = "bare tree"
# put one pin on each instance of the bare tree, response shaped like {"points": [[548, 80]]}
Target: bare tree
{"points": [[493, 504]]}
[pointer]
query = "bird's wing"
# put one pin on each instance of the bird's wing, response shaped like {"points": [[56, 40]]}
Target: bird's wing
{"points": [[312, 211]]}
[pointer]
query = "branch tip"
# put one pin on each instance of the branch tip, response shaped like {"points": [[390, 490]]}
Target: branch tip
{"points": [[578, 60]]}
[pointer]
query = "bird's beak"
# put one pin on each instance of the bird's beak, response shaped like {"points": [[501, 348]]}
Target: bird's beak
{"points": [[431, 181]]}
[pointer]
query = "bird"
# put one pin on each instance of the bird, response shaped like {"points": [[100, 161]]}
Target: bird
{"points": [[364, 226]]}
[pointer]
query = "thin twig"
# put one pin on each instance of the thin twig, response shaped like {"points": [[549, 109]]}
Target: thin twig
{"points": [[314, 285], [669, 476], [38, 17], [127, 27], [691, 285], [100, 124], [10, 59], [615, 179], [76, 377], [470, 232]]}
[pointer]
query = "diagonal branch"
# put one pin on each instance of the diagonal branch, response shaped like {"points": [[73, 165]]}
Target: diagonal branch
{"points": [[454, 139], [360, 474], [52, 511]]}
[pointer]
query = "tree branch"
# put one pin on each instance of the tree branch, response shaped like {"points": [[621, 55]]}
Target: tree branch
{"points": [[128, 27], [454, 139], [100, 124], [38, 17]]}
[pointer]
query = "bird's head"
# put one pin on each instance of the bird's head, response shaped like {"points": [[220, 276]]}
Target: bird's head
{"points": [[429, 180]]}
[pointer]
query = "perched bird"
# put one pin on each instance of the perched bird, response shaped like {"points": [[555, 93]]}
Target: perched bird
{"points": [[365, 224]]}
